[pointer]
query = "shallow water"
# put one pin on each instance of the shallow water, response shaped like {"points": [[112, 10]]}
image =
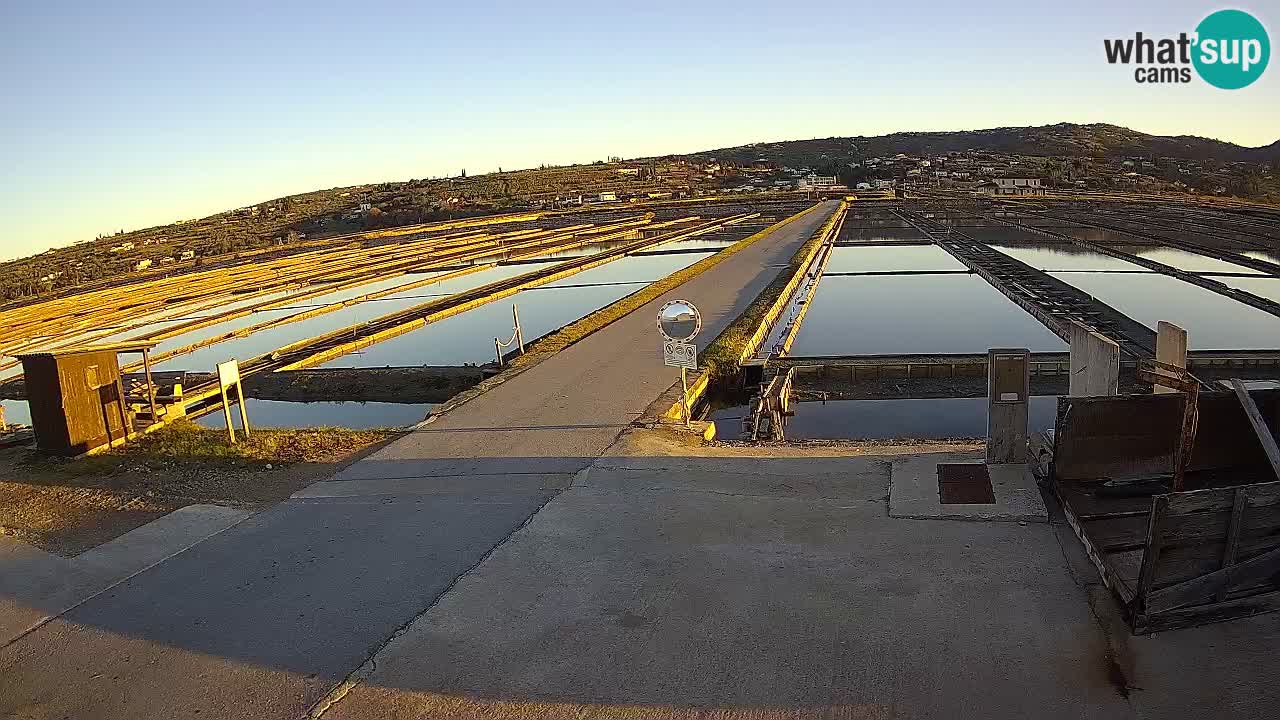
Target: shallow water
{"points": [[924, 419], [1212, 321], [891, 258], [1067, 257], [258, 343], [354, 415], [468, 337], [16, 412], [916, 314], [1191, 262]]}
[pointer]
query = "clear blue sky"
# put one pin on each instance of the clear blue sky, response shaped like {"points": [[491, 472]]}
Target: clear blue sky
{"points": [[124, 115]]}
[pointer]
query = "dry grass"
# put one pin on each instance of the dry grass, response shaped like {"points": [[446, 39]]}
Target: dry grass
{"points": [[67, 506], [186, 441]]}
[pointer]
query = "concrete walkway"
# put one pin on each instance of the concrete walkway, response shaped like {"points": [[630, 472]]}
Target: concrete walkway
{"points": [[714, 584], [265, 618]]}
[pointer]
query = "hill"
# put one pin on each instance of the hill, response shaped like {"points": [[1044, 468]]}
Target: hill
{"points": [[1062, 140]]}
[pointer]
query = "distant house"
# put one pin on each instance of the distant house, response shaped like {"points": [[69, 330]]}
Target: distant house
{"points": [[187, 255], [142, 265], [816, 182], [123, 247], [608, 197], [1018, 186]]}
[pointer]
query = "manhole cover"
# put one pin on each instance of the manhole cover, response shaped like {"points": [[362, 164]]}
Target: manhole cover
{"points": [[964, 484]]}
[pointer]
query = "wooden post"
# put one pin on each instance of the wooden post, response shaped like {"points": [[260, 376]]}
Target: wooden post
{"points": [[1259, 426], [229, 375], [124, 410], [151, 388], [1239, 502], [1171, 349], [1151, 555], [1187, 437], [515, 317], [244, 414], [1095, 363]]}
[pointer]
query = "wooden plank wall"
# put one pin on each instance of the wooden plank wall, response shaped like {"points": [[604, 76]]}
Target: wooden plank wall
{"points": [[1135, 435]]}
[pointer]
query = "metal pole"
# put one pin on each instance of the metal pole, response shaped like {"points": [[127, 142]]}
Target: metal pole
{"points": [[226, 413], [684, 397], [244, 414], [515, 316], [497, 348]]}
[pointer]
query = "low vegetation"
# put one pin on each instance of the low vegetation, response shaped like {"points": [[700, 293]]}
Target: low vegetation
{"points": [[68, 506], [722, 356], [185, 441]]}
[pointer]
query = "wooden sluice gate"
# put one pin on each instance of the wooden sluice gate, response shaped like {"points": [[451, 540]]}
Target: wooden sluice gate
{"points": [[769, 409]]}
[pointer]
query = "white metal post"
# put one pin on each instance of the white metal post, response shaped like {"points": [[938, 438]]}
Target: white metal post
{"points": [[226, 413], [684, 396], [515, 317], [244, 414]]}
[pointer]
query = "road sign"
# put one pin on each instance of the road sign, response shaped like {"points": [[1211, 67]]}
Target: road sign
{"points": [[680, 354], [679, 320]]}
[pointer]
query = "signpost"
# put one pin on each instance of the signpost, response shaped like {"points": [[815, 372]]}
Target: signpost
{"points": [[228, 377], [679, 322]]}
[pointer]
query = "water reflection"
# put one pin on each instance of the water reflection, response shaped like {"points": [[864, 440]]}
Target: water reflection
{"points": [[916, 314], [354, 415], [1212, 321], [1066, 257], [891, 258], [468, 337], [926, 419], [16, 412]]}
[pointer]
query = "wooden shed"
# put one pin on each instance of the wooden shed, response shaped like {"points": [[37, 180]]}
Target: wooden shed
{"points": [[78, 402]]}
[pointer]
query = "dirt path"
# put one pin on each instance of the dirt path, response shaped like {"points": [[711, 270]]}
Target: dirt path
{"points": [[69, 506]]}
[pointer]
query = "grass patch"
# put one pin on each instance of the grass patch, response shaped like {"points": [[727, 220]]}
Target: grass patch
{"points": [[185, 441], [722, 355]]}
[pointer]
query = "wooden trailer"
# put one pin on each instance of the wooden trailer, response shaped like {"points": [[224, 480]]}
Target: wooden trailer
{"points": [[1207, 553]]}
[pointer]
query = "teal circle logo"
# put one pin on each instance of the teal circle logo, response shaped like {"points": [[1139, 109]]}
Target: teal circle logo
{"points": [[1232, 49]]}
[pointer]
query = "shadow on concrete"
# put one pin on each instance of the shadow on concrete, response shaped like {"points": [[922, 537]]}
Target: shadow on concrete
{"points": [[645, 586]]}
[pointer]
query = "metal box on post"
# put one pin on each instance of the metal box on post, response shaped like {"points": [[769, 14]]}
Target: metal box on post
{"points": [[1009, 390], [77, 399]]}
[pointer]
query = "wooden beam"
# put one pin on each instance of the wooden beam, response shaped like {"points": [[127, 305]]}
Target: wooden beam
{"points": [[1204, 588], [1234, 527], [1155, 539], [1259, 426]]}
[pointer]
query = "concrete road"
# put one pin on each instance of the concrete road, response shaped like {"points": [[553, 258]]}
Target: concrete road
{"points": [[265, 618], [733, 587]]}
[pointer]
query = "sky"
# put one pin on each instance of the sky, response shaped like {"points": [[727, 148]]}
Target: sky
{"points": [[124, 115]]}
